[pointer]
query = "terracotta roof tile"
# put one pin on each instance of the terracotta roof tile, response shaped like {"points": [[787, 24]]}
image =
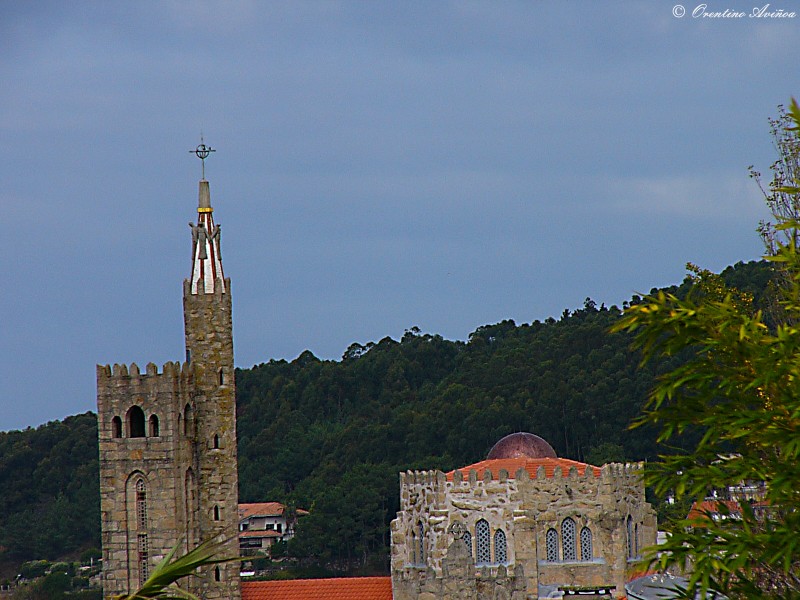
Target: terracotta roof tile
{"points": [[264, 509], [700, 510], [344, 588], [531, 465]]}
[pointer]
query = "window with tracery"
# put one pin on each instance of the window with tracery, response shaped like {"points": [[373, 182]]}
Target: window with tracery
{"points": [[551, 542], [141, 505], [500, 549], [568, 539], [482, 543], [586, 544], [468, 542], [421, 541]]}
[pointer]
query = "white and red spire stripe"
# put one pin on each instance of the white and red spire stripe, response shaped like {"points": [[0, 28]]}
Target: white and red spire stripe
{"points": [[206, 258]]}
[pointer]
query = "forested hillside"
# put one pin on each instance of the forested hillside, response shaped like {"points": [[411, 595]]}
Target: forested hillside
{"points": [[331, 436]]}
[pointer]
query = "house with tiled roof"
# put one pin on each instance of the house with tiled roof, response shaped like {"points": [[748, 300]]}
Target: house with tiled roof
{"points": [[261, 524], [520, 524]]}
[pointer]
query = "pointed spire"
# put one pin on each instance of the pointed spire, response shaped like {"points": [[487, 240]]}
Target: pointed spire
{"points": [[207, 275]]}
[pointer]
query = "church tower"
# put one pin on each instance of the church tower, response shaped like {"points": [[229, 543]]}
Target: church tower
{"points": [[168, 468]]}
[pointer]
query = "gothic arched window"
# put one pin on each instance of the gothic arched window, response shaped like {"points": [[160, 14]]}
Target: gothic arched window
{"points": [[135, 422], [421, 541], [153, 426], [568, 539], [468, 542], [482, 543], [586, 544], [629, 528], [500, 549], [116, 427], [551, 541]]}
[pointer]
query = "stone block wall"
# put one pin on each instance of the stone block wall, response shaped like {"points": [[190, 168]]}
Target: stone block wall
{"points": [[524, 508]]}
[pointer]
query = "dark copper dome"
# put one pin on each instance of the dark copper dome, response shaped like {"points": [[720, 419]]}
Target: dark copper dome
{"points": [[521, 445]]}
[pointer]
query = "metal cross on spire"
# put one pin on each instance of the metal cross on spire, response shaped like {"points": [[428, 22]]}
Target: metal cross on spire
{"points": [[202, 151]]}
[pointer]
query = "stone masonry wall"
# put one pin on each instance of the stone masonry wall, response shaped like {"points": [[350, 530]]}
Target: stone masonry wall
{"points": [[154, 458], [209, 344], [524, 508]]}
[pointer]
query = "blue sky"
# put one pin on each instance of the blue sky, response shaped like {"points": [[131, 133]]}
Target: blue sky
{"points": [[380, 165]]}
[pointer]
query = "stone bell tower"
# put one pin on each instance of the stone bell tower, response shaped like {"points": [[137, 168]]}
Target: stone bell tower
{"points": [[168, 468]]}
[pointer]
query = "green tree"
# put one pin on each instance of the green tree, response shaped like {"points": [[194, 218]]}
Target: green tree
{"points": [[740, 392]]}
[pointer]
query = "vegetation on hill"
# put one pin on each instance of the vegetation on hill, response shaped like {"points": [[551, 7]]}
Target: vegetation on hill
{"points": [[332, 436], [50, 500]]}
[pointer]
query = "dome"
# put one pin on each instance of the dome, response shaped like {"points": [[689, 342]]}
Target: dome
{"points": [[521, 445]]}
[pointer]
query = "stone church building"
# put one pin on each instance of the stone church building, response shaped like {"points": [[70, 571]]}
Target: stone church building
{"points": [[518, 525], [168, 468]]}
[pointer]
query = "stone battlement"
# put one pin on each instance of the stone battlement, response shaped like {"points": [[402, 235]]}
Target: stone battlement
{"points": [[119, 371]]}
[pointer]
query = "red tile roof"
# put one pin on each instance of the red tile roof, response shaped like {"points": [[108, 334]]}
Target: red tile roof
{"points": [[700, 510], [531, 465], [344, 588], [264, 509]]}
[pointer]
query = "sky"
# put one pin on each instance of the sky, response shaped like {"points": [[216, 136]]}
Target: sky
{"points": [[379, 166]]}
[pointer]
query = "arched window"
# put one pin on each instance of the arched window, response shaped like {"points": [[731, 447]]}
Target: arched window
{"points": [[141, 505], [216, 512], [636, 539], [551, 541], [482, 543], [116, 427], [568, 539], [586, 544], [217, 574], [221, 375], [216, 442], [135, 422], [153, 426], [629, 528], [188, 421], [414, 548], [142, 546], [421, 541], [500, 549], [468, 542]]}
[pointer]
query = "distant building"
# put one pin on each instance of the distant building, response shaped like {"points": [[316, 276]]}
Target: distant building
{"points": [[263, 523], [521, 522]]}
